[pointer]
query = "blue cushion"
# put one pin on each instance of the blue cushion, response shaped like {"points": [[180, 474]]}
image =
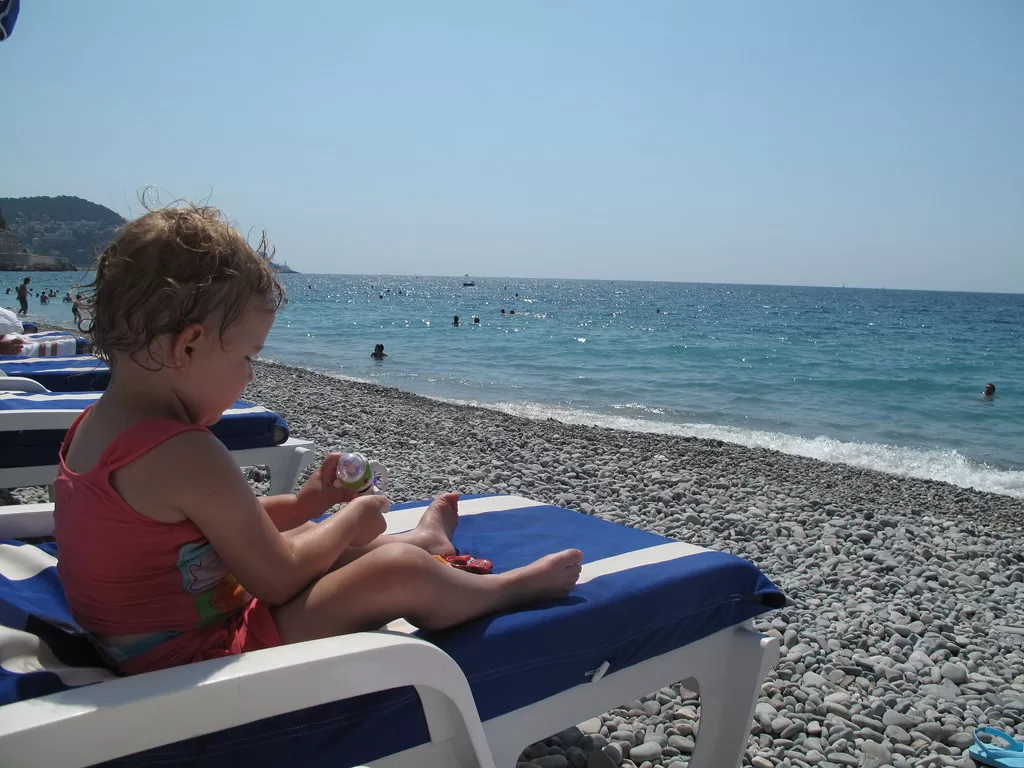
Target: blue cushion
{"points": [[244, 425], [8, 15], [512, 659], [78, 373]]}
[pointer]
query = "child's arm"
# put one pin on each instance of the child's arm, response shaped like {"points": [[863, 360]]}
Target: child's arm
{"points": [[194, 473], [317, 495]]}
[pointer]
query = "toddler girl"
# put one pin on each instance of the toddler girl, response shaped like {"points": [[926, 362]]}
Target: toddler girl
{"points": [[166, 555]]}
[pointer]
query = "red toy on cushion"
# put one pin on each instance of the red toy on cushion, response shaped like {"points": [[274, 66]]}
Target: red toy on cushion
{"points": [[467, 563]]}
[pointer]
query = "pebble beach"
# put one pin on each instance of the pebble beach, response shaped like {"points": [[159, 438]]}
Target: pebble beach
{"points": [[904, 631]]}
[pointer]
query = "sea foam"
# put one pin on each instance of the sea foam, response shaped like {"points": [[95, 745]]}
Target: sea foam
{"points": [[947, 466]]}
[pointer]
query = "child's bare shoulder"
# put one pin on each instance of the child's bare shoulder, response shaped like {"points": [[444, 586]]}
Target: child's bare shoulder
{"points": [[172, 477]]}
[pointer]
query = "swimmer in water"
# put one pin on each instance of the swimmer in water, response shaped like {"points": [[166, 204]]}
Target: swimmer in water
{"points": [[990, 390], [378, 352]]}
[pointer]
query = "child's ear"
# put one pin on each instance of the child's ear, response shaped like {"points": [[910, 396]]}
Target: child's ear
{"points": [[185, 344]]}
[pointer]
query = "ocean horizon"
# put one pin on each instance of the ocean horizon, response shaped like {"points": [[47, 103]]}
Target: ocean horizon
{"points": [[887, 379]]}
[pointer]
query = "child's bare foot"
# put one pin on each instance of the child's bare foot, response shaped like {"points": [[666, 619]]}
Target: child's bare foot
{"points": [[551, 577], [435, 529]]}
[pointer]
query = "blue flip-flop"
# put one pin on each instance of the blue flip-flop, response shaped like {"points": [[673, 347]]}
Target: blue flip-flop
{"points": [[998, 757]]}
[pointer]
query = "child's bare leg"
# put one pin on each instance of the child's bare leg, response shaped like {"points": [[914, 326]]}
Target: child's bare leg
{"points": [[400, 580], [432, 534]]}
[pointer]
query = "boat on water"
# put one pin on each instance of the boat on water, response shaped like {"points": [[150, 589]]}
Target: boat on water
{"points": [[468, 284]]}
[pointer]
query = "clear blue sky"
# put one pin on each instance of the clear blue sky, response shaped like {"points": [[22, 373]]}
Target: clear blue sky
{"points": [[871, 143]]}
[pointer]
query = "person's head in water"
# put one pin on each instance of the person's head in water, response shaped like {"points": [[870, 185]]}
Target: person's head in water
{"points": [[455, 320], [990, 389], [378, 352]]}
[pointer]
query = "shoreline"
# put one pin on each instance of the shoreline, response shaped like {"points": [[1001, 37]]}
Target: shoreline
{"points": [[835, 473], [802, 446]]}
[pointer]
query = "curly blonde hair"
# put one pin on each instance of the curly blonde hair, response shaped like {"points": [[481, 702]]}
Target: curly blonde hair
{"points": [[171, 268]]}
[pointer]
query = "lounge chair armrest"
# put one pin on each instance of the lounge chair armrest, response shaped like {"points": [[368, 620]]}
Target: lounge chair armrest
{"points": [[25, 521], [20, 384], [145, 711]]}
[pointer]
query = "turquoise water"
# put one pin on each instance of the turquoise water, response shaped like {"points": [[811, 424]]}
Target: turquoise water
{"points": [[884, 379]]}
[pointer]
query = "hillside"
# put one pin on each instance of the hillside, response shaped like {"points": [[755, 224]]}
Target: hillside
{"points": [[49, 230], [61, 227], [61, 208]]}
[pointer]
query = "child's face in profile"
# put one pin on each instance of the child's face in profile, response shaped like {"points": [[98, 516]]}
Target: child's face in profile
{"points": [[222, 366]]}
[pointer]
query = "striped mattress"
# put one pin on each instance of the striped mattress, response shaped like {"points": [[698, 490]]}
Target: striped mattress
{"points": [[71, 373]]}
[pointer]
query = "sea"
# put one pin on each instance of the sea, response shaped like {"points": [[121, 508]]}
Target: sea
{"points": [[885, 379]]}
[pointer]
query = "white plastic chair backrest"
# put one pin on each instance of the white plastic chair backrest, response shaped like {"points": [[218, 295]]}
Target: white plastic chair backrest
{"points": [[20, 384]]}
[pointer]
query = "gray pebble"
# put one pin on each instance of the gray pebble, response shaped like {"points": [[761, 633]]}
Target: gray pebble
{"points": [[602, 759], [955, 673], [551, 761], [649, 750], [614, 751]]}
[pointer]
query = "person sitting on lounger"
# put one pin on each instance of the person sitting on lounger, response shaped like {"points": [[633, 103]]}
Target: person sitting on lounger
{"points": [[378, 352], [166, 555]]}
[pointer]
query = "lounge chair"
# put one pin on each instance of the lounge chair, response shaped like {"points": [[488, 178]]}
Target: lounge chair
{"points": [[70, 373], [33, 424], [648, 612]]}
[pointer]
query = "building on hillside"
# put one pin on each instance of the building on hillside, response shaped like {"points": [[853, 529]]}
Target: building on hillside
{"points": [[11, 250]]}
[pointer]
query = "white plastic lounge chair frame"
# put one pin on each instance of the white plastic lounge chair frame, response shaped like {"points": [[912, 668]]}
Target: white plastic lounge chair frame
{"points": [[727, 668], [285, 461]]}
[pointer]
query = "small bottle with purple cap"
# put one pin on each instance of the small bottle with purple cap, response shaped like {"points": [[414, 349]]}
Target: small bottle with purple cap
{"points": [[360, 475]]}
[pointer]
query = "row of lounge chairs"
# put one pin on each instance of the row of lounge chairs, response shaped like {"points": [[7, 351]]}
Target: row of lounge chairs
{"points": [[648, 612]]}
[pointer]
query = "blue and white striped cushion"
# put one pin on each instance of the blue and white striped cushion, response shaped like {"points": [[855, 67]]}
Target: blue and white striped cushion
{"points": [[42, 648], [73, 373], [242, 426], [49, 335], [640, 596]]}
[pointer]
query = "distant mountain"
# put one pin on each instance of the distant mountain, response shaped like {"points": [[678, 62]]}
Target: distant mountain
{"points": [[58, 230], [62, 208], [64, 227]]}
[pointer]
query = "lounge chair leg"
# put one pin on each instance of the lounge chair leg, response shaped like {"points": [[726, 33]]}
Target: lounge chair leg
{"points": [[456, 721], [284, 473], [727, 699]]}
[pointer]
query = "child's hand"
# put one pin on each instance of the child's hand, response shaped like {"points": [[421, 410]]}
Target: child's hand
{"points": [[319, 492], [366, 515]]}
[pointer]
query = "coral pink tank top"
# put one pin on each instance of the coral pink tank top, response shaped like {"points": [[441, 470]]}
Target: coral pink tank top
{"points": [[127, 574]]}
